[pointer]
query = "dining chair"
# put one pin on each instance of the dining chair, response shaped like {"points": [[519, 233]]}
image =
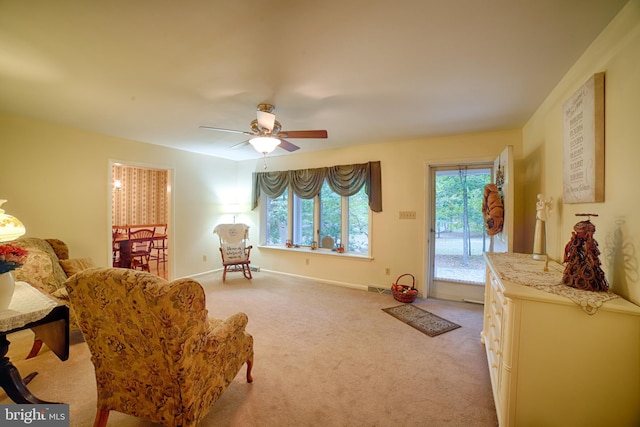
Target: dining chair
{"points": [[141, 246], [159, 251], [116, 233]]}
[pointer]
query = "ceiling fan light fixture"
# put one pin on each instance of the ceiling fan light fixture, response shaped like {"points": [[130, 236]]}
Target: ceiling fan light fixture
{"points": [[264, 144]]}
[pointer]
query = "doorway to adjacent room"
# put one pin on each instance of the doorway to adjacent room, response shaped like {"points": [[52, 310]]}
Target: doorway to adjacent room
{"points": [[141, 198]]}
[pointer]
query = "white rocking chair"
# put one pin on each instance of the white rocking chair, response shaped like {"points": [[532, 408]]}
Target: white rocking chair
{"points": [[234, 249]]}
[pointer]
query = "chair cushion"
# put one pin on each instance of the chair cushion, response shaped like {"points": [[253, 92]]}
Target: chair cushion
{"points": [[32, 243], [234, 252], [76, 265], [38, 271], [59, 247]]}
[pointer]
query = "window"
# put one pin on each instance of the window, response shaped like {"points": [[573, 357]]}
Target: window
{"points": [[345, 219], [358, 235], [277, 219], [330, 214], [315, 204], [303, 221]]}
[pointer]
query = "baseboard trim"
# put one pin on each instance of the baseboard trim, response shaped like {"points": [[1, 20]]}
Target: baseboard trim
{"points": [[315, 279], [204, 273]]}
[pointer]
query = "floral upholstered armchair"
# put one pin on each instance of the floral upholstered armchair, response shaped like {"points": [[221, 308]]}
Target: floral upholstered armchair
{"points": [[46, 268], [157, 355]]}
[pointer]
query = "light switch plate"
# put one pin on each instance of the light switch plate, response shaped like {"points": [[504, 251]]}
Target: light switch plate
{"points": [[407, 214]]}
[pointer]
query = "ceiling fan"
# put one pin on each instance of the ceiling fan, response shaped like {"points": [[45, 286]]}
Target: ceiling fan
{"points": [[266, 132]]}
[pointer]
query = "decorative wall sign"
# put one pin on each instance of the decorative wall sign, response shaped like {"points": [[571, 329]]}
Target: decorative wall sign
{"points": [[583, 136]]}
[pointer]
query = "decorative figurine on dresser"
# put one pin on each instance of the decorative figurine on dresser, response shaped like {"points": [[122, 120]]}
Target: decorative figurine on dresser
{"points": [[581, 253], [543, 210]]}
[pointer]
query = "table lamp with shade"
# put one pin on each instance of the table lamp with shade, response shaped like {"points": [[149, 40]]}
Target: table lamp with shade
{"points": [[10, 229]]}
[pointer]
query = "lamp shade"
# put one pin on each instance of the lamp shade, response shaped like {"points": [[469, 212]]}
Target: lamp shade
{"points": [[10, 227], [264, 144]]}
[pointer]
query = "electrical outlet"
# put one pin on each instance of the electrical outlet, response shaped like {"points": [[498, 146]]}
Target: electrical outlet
{"points": [[204, 258], [407, 214], [306, 261], [387, 271]]}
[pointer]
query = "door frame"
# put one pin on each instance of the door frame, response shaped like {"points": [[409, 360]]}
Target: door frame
{"points": [[429, 256], [170, 209]]}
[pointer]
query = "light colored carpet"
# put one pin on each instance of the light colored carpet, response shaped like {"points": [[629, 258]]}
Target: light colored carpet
{"points": [[324, 356]]}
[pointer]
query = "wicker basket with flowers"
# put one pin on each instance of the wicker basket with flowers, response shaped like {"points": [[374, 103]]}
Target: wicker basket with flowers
{"points": [[404, 293]]}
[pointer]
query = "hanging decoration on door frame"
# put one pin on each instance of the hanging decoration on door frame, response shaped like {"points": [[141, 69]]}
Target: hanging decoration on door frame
{"points": [[492, 204]]}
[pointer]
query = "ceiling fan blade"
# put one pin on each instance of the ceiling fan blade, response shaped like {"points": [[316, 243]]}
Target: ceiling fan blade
{"points": [[304, 134], [287, 145], [226, 130], [266, 120], [239, 145]]}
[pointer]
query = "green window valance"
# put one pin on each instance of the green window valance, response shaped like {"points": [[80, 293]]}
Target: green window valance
{"points": [[345, 180]]}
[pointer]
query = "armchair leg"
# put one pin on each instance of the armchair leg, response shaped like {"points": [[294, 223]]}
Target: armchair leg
{"points": [[102, 415], [249, 367]]}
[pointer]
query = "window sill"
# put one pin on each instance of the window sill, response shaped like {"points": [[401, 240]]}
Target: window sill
{"points": [[319, 251]]}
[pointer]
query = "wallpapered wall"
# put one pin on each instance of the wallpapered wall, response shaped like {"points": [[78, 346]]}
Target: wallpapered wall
{"points": [[141, 198]]}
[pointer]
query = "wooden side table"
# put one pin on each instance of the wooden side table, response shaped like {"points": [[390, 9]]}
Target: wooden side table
{"points": [[31, 309]]}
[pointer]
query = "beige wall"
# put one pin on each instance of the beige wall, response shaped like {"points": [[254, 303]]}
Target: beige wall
{"points": [[57, 182], [399, 245], [617, 52]]}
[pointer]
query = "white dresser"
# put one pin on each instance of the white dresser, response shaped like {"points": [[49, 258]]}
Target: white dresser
{"points": [[551, 362]]}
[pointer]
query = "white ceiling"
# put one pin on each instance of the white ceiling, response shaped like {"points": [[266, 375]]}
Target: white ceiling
{"points": [[366, 71]]}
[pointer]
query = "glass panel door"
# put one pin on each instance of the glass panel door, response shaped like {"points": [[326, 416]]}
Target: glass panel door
{"points": [[457, 237]]}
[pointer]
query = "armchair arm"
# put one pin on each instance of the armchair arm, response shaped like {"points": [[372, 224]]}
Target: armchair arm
{"points": [[220, 332]]}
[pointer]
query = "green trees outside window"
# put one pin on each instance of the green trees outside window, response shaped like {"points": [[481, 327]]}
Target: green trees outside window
{"points": [[277, 223], [345, 219], [460, 238]]}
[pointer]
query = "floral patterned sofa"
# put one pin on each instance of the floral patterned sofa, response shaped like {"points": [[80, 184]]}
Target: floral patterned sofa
{"points": [[157, 354], [46, 268]]}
